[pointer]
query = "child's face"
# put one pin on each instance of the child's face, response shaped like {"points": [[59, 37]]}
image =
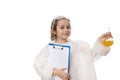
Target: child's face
{"points": [[63, 30]]}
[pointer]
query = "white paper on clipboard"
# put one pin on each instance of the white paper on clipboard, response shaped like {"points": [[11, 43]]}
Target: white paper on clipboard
{"points": [[59, 57]]}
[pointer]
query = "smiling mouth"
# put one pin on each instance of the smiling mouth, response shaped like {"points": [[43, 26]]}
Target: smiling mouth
{"points": [[66, 34]]}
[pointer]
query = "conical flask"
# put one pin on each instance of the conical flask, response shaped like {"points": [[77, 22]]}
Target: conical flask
{"points": [[108, 42]]}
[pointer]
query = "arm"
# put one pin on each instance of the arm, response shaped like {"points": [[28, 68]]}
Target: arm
{"points": [[61, 73], [45, 71], [41, 65], [99, 49]]}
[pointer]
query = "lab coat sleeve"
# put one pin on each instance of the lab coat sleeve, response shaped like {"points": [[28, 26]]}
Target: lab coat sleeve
{"points": [[99, 50], [41, 65]]}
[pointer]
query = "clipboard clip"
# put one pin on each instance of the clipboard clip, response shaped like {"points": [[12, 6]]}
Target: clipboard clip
{"points": [[58, 47]]}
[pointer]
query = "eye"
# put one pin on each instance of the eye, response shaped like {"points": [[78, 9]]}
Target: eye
{"points": [[62, 27], [68, 27]]}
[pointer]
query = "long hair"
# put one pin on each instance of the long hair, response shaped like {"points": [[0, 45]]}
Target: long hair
{"points": [[54, 26]]}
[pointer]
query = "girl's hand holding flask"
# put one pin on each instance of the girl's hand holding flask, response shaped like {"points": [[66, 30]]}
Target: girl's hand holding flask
{"points": [[107, 39]]}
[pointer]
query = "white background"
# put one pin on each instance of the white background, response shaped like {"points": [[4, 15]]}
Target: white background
{"points": [[25, 29]]}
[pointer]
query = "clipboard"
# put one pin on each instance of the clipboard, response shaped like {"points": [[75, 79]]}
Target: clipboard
{"points": [[59, 57]]}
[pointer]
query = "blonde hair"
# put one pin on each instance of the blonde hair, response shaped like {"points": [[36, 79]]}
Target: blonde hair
{"points": [[54, 26]]}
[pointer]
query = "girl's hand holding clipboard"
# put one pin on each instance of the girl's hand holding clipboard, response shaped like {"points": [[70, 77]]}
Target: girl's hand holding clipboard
{"points": [[61, 73]]}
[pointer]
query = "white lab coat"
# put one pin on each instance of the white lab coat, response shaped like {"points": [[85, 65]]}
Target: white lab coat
{"points": [[81, 60]]}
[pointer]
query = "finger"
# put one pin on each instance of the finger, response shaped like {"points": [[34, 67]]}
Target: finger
{"points": [[66, 76], [104, 35], [109, 35], [63, 69]]}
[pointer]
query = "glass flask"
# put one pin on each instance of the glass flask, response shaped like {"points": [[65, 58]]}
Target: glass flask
{"points": [[108, 42]]}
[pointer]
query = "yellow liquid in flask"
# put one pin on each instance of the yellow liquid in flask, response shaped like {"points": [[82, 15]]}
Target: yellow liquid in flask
{"points": [[108, 42]]}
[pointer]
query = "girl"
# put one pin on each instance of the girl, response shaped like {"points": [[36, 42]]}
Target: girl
{"points": [[81, 59]]}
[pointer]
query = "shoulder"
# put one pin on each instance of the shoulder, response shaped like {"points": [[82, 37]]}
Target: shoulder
{"points": [[44, 49], [79, 45]]}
